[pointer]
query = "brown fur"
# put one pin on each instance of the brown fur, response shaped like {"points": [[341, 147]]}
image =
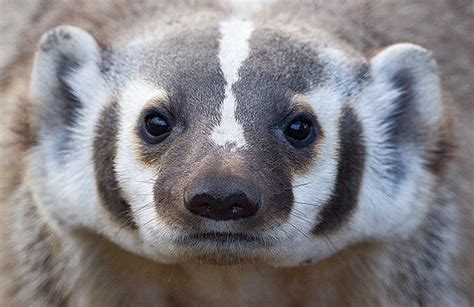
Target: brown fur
{"points": [[33, 257]]}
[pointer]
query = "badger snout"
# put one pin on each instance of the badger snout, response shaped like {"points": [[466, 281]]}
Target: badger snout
{"points": [[222, 198]]}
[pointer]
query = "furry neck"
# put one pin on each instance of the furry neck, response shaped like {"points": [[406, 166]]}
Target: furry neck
{"points": [[84, 268]]}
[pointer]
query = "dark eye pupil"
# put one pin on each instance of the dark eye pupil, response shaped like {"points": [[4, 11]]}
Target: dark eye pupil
{"points": [[156, 125], [298, 129]]}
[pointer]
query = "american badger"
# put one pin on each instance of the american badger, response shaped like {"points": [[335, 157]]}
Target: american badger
{"points": [[181, 153]]}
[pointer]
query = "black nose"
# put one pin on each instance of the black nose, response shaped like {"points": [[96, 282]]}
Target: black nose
{"points": [[233, 206]]}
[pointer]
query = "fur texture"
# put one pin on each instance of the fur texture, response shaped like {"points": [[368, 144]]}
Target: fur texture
{"points": [[76, 225]]}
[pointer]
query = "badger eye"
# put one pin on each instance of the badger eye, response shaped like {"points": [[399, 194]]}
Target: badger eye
{"points": [[157, 127], [300, 131]]}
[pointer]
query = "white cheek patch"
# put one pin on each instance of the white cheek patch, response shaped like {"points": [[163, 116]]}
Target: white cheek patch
{"points": [[385, 209], [313, 190], [136, 180], [234, 49]]}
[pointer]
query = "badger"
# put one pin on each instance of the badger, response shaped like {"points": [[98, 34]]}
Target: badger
{"points": [[188, 153]]}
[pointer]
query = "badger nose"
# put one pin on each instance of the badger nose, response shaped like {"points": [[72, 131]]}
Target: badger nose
{"points": [[232, 206]]}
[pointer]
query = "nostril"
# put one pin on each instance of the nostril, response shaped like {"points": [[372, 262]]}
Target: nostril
{"points": [[200, 204], [204, 207]]}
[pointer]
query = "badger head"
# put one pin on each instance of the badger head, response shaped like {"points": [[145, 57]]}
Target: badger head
{"points": [[233, 142]]}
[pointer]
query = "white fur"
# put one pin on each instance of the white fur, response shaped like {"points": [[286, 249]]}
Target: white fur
{"points": [[314, 189], [385, 210], [67, 193], [75, 202], [422, 65], [64, 41], [249, 7], [136, 180], [234, 49], [72, 180]]}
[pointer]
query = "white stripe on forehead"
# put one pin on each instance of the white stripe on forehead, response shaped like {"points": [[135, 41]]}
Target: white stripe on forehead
{"points": [[233, 50]]}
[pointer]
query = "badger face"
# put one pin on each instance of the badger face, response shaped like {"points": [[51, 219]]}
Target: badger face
{"points": [[232, 143]]}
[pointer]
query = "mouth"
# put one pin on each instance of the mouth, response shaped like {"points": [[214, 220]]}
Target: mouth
{"points": [[223, 238], [223, 247]]}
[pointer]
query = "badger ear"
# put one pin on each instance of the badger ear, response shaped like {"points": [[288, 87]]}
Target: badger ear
{"points": [[411, 72], [65, 72]]}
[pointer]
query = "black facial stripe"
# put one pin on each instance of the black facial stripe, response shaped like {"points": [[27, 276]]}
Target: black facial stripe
{"points": [[105, 149], [352, 156]]}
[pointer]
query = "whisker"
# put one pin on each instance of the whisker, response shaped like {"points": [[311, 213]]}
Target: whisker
{"points": [[302, 217], [301, 184], [299, 230], [308, 204]]}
